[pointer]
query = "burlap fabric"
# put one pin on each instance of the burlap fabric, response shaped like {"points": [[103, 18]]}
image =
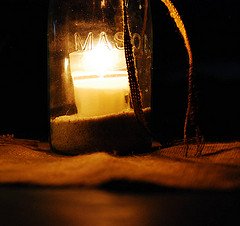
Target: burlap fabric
{"points": [[33, 163]]}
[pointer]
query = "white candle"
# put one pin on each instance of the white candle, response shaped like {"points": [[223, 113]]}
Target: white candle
{"points": [[101, 96], [100, 81]]}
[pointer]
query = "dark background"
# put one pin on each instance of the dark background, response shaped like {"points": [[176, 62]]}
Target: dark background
{"points": [[213, 29]]}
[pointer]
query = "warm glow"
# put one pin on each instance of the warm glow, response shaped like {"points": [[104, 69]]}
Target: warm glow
{"points": [[101, 96], [110, 83], [100, 79], [102, 60]]}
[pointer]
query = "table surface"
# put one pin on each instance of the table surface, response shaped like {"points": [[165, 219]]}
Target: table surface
{"points": [[21, 205]]}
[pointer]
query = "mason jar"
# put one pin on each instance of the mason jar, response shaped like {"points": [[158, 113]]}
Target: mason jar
{"points": [[92, 85]]}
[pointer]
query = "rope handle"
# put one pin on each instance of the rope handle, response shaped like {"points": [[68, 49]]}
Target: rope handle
{"points": [[190, 117]]}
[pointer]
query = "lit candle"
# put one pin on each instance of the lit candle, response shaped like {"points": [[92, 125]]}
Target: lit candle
{"points": [[90, 97], [100, 80]]}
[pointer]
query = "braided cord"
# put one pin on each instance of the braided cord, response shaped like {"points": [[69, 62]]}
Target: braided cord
{"points": [[136, 97], [135, 91]]}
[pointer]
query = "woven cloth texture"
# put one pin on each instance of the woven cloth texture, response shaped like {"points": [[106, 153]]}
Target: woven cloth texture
{"points": [[29, 162]]}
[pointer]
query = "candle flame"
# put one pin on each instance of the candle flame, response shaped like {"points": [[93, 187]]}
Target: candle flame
{"points": [[103, 60], [100, 60]]}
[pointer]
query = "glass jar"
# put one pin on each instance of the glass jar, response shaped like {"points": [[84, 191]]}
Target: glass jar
{"points": [[91, 99]]}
